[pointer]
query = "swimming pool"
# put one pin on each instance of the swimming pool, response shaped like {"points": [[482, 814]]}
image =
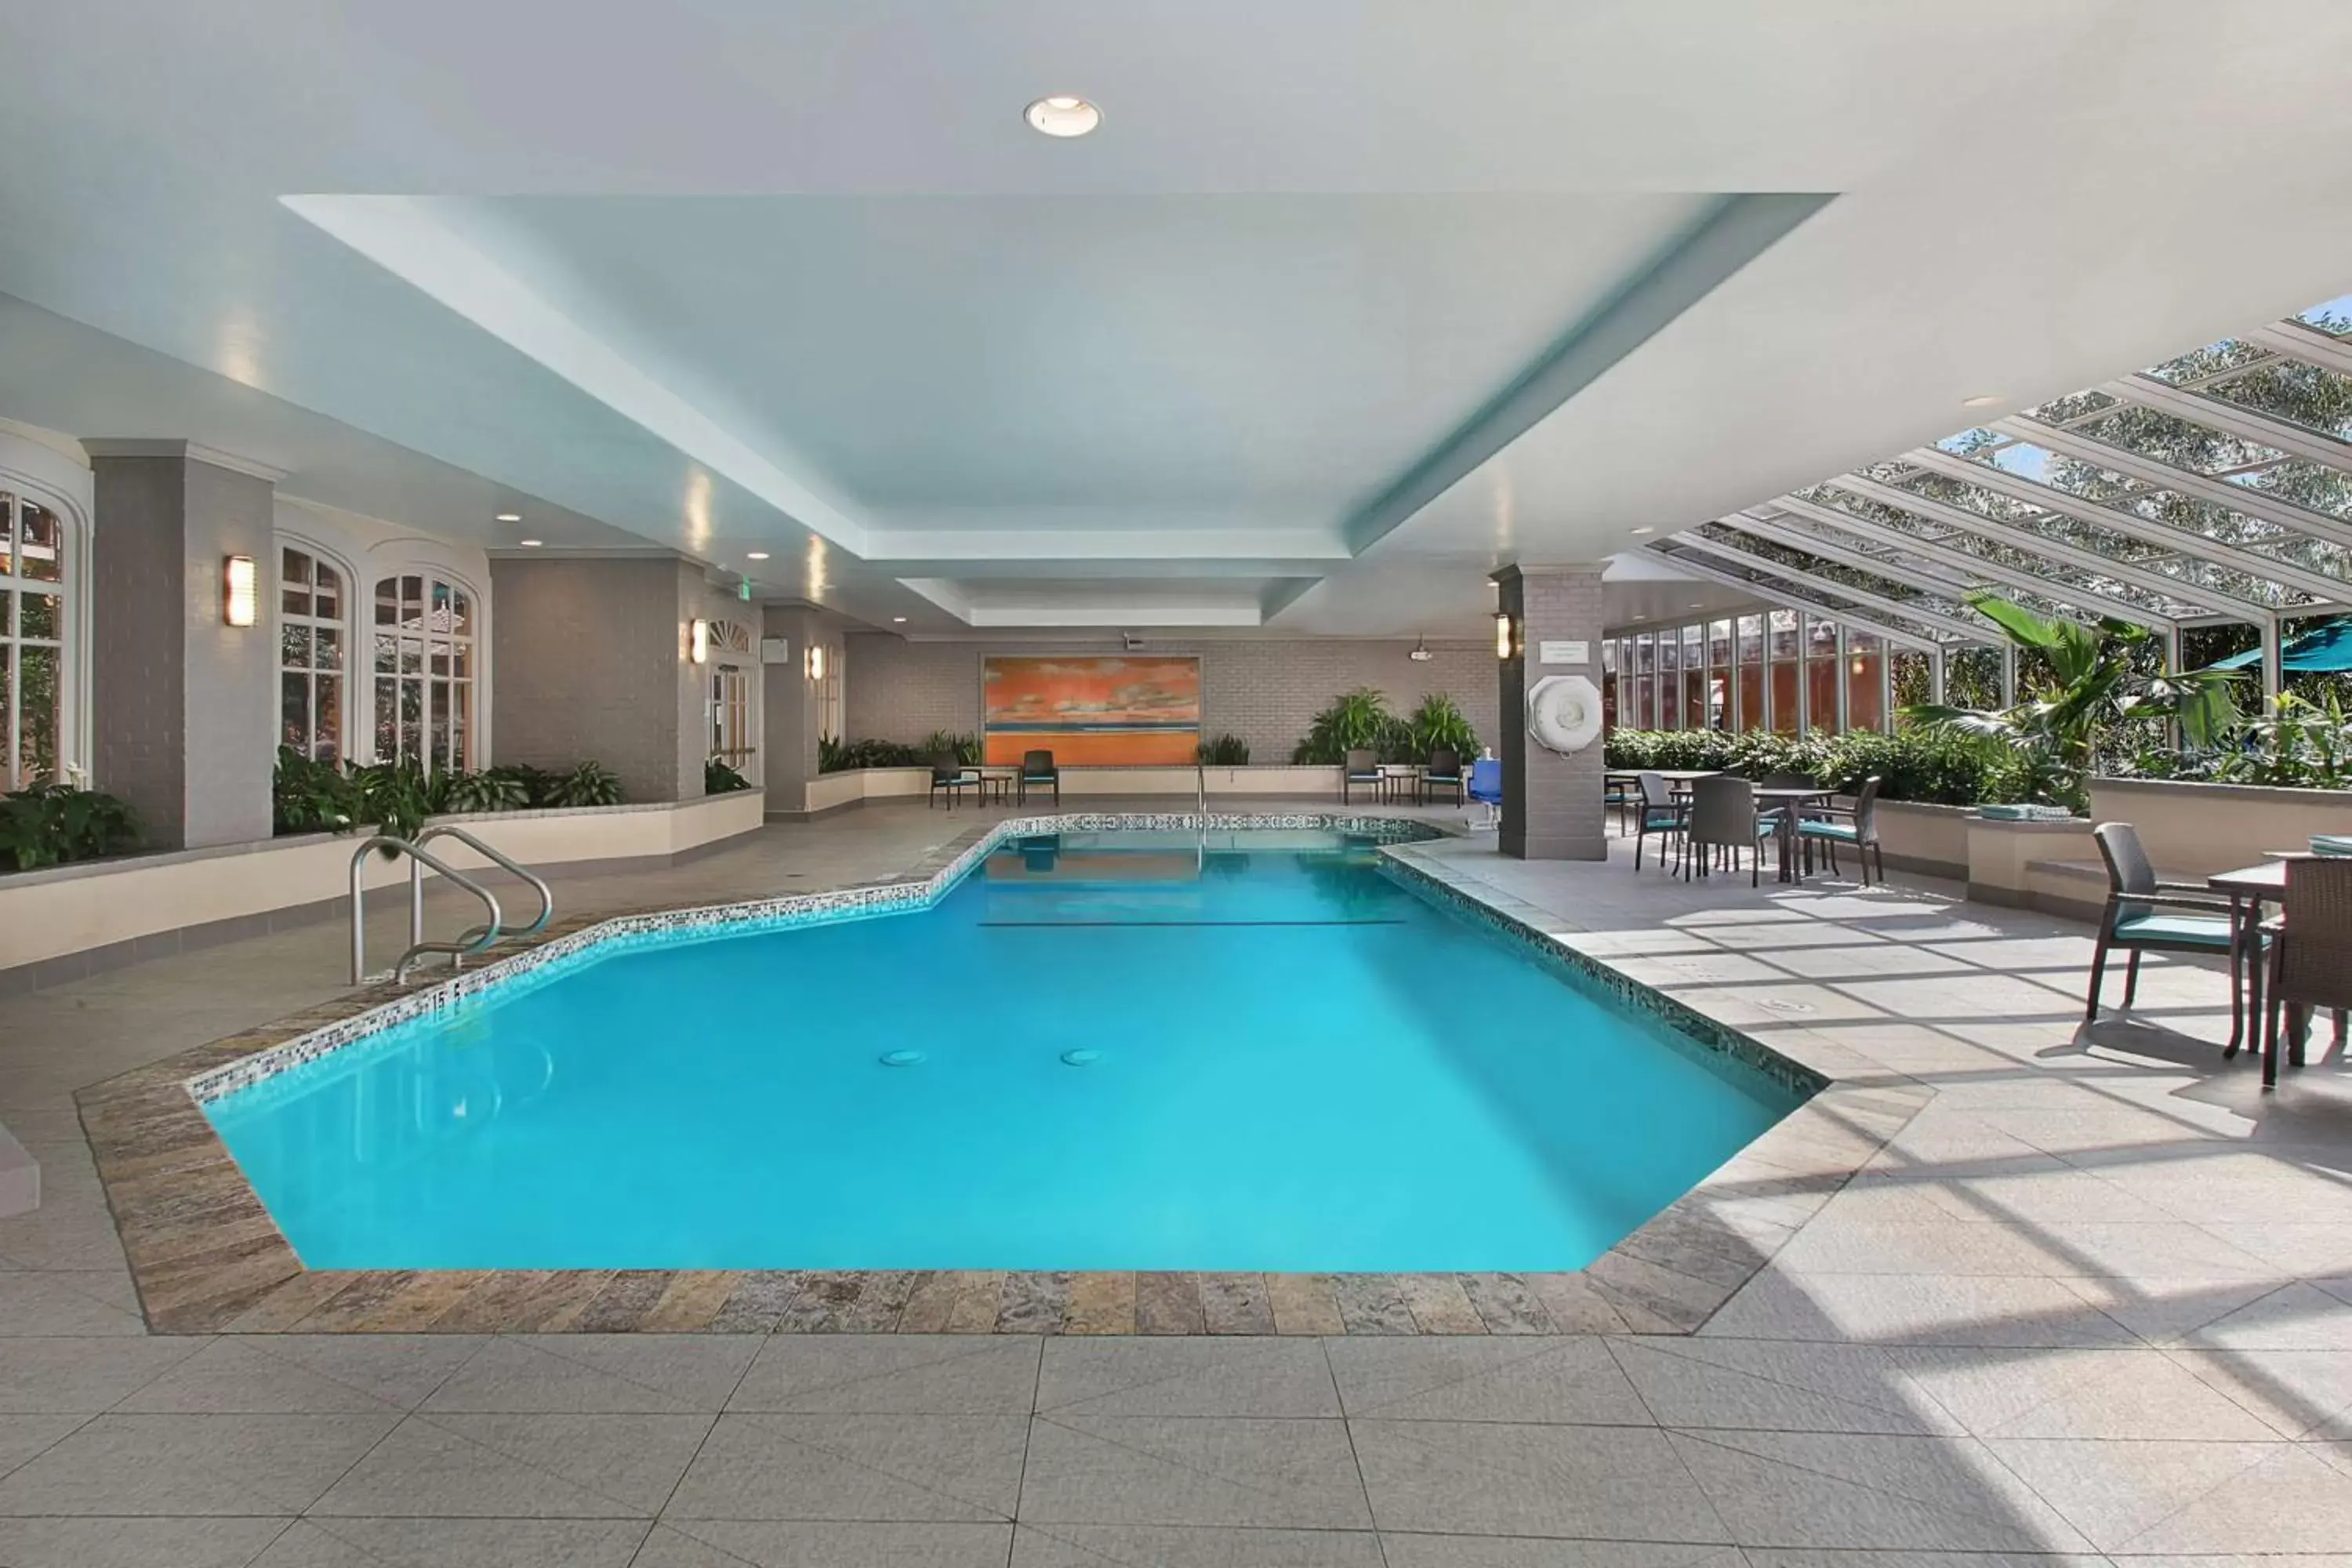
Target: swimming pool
{"points": [[1250, 1051]]}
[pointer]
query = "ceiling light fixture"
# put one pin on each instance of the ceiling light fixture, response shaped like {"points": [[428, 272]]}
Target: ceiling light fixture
{"points": [[898, 620], [1420, 654], [509, 517], [1645, 528], [1062, 115], [1981, 400], [529, 543], [755, 555]]}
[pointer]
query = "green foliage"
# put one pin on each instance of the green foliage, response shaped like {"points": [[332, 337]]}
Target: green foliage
{"points": [[1941, 769], [493, 790], [310, 796], [833, 756], [2084, 684], [717, 778], [1439, 723], [395, 797], [1354, 721], [1224, 751], [966, 748], [590, 784], [51, 824], [2301, 742]]}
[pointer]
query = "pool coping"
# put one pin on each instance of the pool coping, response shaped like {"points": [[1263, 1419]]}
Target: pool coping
{"points": [[205, 1256]]}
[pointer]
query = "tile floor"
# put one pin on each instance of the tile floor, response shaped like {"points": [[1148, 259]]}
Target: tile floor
{"points": [[2093, 1302]]}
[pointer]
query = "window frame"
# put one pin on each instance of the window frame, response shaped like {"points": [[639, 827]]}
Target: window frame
{"points": [[344, 625]]}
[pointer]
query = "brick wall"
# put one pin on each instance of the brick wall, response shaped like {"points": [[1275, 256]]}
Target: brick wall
{"points": [[584, 664], [1264, 691]]}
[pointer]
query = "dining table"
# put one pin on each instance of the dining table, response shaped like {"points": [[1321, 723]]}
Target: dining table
{"points": [[2248, 888], [1791, 801]]}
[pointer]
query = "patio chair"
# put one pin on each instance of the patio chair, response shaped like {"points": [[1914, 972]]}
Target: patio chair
{"points": [[1441, 772], [1487, 790], [2311, 955], [2144, 915], [1037, 768], [1830, 826], [1361, 768], [1662, 814], [949, 775], [1723, 816], [1616, 797]]}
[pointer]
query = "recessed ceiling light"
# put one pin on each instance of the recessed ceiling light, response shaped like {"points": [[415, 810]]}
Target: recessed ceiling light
{"points": [[1697, 606], [1062, 115], [755, 555], [901, 620], [509, 517], [1981, 400], [529, 543], [1645, 529]]}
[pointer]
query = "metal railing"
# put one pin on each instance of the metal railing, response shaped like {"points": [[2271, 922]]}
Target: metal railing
{"points": [[474, 940], [417, 882]]}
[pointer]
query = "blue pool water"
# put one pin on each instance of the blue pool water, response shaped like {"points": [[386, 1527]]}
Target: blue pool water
{"points": [[1116, 1051]]}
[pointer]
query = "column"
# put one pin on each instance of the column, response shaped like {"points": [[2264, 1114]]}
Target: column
{"points": [[184, 704], [1551, 803], [791, 715], [590, 660]]}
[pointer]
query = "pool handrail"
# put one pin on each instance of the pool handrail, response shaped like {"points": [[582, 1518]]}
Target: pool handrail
{"points": [[451, 830], [474, 940]]}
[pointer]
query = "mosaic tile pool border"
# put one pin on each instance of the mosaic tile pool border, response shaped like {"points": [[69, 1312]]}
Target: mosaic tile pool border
{"points": [[206, 1258]]}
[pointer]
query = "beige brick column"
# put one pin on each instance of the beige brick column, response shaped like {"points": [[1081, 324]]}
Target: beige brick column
{"points": [[184, 705], [1552, 804]]}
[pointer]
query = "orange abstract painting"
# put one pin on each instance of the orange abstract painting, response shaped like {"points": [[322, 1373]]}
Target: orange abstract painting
{"points": [[1131, 710]]}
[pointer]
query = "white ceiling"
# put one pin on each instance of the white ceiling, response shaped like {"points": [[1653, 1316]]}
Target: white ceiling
{"points": [[1345, 304]]}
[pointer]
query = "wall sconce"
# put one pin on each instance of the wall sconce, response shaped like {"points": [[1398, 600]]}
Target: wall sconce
{"points": [[237, 597], [816, 662], [1506, 638], [699, 642]]}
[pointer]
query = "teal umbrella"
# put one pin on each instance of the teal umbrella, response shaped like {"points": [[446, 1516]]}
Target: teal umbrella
{"points": [[2326, 648]]}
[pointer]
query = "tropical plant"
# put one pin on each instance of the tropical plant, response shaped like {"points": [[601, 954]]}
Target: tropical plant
{"points": [[47, 824], [2301, 741], [395, 797], [1913, 764], [1224, 751], [309, 795], [717, 778], [1439, 724], [1353, 722], [493, 790], [964, 748], [537, 783], [590, 784], [839, 756], [2085, 682], [831, 754]]}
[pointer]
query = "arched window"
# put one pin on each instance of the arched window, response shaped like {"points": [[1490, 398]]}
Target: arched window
{"points": [[311, 647], [730, 695], [424, 635], [32, 643]]}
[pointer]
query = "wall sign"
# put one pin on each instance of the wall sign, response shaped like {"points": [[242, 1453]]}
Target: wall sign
{"points": [[1579, 652], [775, 650]]}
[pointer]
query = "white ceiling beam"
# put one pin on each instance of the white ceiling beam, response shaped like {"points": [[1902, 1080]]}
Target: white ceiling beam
{"points": [[2177, 540], [2132, 466], [2076, 556], [2245, 424], [1862, 596], [1968, 571], [2307, 344], [1736, 230], [1775, 595]]}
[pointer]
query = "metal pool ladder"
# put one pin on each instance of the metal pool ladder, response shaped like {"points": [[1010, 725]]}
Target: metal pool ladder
{"points": [[475, 938]]}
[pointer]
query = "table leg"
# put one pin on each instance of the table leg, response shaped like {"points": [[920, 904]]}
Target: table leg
{"points": [[2237, 977]]}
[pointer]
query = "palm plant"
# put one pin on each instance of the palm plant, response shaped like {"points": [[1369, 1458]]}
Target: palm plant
{"points": [[1355, 720], [2092, 681], [1439, 724]]}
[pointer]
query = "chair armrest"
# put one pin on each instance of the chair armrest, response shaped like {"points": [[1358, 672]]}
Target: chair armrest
{"points": [[2210, 904], [2198, 888]]}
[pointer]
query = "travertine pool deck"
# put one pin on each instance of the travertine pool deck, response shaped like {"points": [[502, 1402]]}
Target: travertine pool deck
{"points": [[2092, 1297]]}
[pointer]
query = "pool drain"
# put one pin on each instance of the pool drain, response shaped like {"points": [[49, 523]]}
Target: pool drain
{"points": [[1080, 1058], [901, 1058]]}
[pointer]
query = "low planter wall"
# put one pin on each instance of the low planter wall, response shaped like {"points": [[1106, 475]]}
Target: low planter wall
{"points": [[2197, 829], [68, 920], [835, 792], [1927, 840]]}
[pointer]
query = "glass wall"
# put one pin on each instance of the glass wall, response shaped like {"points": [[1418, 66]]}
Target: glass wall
{"points": [[1693, 677], [1821, 677], [1749, 704], [1670, 681], [1865, 680], [1781, 670], [1786, 687]]}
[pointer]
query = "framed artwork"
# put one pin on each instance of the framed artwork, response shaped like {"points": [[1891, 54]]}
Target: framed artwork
{"points": [[1115, 710]]}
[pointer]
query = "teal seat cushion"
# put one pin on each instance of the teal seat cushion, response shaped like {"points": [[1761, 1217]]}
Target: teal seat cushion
{"points": [[1440, 778], [2202, 930], [1363, 778], [1813, 828], [1658, 819]]}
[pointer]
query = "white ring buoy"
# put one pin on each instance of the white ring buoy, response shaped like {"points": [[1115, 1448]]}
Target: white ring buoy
{"points": [[1564, 713]]}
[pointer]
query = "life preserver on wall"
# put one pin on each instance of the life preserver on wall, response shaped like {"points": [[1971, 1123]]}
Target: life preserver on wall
{"points": [[1564, 713]]}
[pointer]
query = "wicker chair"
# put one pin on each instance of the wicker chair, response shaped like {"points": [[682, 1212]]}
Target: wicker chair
{"points": [[1661, 815], [2311, 954], [1830, 826], [2145, 915], [1723, 816], [1360, 769]]}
